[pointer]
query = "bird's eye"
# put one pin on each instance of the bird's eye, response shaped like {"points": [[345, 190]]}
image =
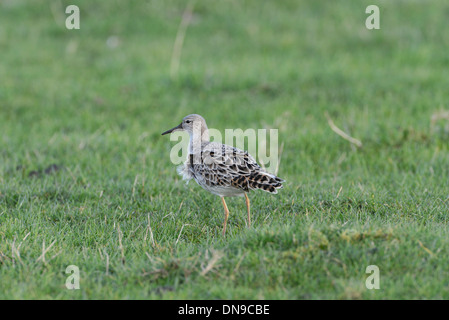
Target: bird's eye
{"points": [[188, 121]]}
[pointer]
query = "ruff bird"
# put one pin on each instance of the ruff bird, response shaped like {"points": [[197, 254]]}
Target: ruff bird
{"points": [[221, 169]]}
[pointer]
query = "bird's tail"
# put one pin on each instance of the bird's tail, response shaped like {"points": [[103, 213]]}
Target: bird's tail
{"points": [[265, 181]]}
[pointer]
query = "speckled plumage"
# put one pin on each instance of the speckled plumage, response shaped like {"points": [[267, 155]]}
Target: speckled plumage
{"points": [[227, 171], [221, 169]]}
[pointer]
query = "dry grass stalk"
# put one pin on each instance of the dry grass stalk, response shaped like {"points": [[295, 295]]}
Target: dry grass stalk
{"points": [[341, 133]]}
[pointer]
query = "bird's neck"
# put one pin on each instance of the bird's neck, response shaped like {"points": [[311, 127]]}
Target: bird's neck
{"points": [[196, 140]]}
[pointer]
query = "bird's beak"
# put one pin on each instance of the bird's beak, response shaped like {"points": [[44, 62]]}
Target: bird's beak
{"points": [[177, 128]]}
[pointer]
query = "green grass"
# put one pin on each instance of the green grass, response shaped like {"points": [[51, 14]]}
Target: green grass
{"points": [[67, 99]]}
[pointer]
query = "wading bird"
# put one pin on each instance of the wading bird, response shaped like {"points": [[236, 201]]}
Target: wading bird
{"points": [[221, 169]]}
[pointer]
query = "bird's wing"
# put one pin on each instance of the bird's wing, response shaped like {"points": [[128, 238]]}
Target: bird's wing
{"points": [[222, 165]]}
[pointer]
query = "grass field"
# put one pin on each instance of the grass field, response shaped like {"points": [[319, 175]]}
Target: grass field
{"points": [[86, 178]]}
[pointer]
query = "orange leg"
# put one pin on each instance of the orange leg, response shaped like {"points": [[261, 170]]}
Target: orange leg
{"points": [[247, 206], [226, 215]]}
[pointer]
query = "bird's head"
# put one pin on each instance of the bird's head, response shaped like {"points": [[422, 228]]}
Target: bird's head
{"points": [[193, 124]]}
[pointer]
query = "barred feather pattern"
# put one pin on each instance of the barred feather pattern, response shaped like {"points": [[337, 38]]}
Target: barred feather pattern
{"points": [[227, 171]]}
